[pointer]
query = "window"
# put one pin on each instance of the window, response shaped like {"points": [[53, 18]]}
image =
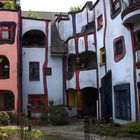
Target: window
{"points": [[49, 71], [99, 22], [115, 8], [6, 100], [122, 102], [34, 71], [102, 56], [33, 38], [4, 67], [39, 102], [119, 48], [7, 32]]}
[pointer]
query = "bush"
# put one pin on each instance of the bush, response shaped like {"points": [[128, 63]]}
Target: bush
{"points": [[58, 115], [4, 118], [132, 128], [43, 119]]}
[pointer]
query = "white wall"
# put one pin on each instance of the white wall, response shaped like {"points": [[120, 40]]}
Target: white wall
{"points": [[87, 79], [28, 24], [122, 71], [32, 87], [55, 81]]}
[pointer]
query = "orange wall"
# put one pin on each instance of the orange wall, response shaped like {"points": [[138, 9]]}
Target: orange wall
{"points": [[10, 51]]}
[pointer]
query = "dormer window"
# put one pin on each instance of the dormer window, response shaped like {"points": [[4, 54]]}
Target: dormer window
{"points": [[7, 32]]}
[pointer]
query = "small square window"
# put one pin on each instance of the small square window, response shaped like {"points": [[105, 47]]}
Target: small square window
{"points": [[99, 22], [102, 56], [49, 71], [119, 48], [34, 71], [7, 32], [115, 8], [122, 102]]}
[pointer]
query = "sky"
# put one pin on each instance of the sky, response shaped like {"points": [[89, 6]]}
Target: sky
{"points": [[51, 5]]}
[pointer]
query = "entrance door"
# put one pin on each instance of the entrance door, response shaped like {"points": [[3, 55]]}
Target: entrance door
{"points": [[90, 96], [106, 96]]}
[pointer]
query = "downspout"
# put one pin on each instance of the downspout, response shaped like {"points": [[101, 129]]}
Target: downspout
{"points": [[64, 79], [97, 70], [19, 64], [134, 71], [104, 36], [46, 62]]}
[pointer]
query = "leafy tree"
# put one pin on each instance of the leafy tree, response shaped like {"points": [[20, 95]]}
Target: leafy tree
{"points": [[10, 5], [32, 14], [75, 8]]}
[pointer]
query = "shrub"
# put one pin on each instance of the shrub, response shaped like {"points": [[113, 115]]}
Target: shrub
{"points": [[58, 115], [132, 127], [4, 118], [43, 118]]}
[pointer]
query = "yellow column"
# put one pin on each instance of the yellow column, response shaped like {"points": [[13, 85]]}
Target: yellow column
{"points": [[79, 103]]}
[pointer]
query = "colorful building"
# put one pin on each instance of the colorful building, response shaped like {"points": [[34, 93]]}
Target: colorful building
{"points": [[10, 70], [86, 60], [107, 35]]}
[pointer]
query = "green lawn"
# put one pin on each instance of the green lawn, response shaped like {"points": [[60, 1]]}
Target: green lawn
{"points": [[13, 134]]}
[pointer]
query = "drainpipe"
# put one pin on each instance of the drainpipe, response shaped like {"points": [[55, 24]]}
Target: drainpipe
{"points": [[104, 37]]}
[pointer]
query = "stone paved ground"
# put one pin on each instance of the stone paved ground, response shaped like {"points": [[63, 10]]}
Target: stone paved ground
{"points": [[74, 131]]}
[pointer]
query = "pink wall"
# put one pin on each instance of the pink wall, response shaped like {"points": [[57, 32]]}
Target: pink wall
{"points": [[11, 52]]}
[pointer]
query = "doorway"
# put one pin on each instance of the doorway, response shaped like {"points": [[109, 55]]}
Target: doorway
{"points": [[90, 96]]}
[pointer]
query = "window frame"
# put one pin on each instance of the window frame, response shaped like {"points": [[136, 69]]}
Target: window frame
{"points": [[118, 57], [36, 98], [32, 78], [99, 22], [120, 105], [10, 28], [48, 71], [4, 67], [114, 12], [102, 52]]}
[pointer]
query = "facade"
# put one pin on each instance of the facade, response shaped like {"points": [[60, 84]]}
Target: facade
{"points": [[110, 30], [9, 61], [86, 60]]}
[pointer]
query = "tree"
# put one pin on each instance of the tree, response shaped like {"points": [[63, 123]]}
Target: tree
{"points": [[10, 5], [32, 14], [75, 8]]}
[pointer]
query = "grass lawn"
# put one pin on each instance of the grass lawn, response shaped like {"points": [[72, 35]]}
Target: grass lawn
{"points": [[13, 134]]}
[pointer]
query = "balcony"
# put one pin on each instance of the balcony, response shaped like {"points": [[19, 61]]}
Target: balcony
{"points": [[131, 12]]}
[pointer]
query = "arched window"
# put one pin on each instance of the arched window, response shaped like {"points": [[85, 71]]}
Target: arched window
{"points": [[4, 67], [7, 100], [34, 38]]}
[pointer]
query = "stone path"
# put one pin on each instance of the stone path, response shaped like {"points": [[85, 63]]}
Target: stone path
{"points": [[74, 131]]}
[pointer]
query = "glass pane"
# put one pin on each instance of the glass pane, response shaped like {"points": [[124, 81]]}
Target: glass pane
{"points": [[5, 35], [119, 47], [138, 55]]}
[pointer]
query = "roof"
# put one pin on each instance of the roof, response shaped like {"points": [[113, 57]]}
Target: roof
{"points": [[44, 15]]}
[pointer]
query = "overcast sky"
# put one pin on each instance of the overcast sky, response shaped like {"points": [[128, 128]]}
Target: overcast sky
{"points": [[51, 5]]}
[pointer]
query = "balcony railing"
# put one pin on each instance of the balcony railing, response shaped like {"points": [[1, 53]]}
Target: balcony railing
{"points": [[130, 7]]}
